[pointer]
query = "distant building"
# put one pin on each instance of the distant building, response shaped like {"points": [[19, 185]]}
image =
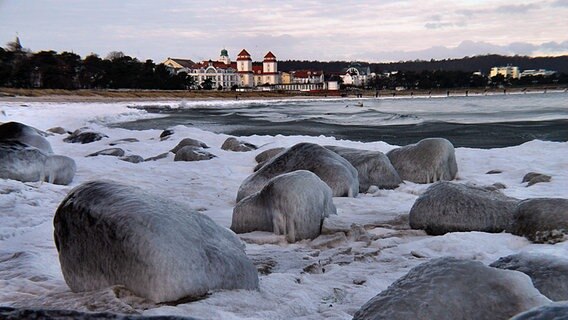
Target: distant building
{"points": [[225, 74], [254, 75], [285, 77], [303, 80], [356, 75], [307, 76], [178, 65], [508, 72], [539, 72]]}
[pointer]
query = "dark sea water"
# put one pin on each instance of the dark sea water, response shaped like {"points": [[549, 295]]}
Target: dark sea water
{"points": [[475, 121]]}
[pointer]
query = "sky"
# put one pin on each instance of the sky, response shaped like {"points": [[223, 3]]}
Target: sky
{"points": [[373, 31]]}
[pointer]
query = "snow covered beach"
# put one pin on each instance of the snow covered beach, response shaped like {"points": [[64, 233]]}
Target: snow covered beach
{"points": [[329, 277]]}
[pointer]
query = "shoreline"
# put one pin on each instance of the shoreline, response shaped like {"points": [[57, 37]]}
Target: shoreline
{"points": [[93, 95]]}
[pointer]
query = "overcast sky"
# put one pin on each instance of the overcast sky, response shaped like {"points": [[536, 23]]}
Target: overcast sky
{"points": [[374, 31]]}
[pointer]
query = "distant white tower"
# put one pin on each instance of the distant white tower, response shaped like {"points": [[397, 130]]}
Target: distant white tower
{"points": [[244, 68], [270, 69], [224, 57]]}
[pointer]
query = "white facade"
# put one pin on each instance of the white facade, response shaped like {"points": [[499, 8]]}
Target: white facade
{"points": [[539, 72], [356, 75], [507, 72], [307, 76], [244, 69], [222, 73], [224, 77], [270, 69]]}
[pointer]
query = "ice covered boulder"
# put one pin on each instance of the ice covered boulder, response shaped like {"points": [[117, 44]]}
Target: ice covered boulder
{"points": [[189, 142], [535, 177], [266, 155], [553, 311], [24, 134], [427, 161], [133, 158], [57, 130], [232, 144], [107, 233], [123, 141], [334, 170], [166, 134], [548, 273], [448, 288], [542, 220], [374, 168], [115, 152], [191, 153], [28, 164], [292, 204], [453, 207], [84, 135]]}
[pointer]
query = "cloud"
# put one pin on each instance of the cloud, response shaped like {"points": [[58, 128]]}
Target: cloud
{"points": [[517, 8], [560, 3], [472, 48]]}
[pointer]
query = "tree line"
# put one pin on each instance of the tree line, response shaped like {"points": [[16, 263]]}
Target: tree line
{"points": [[19, 68], [481, 63]]}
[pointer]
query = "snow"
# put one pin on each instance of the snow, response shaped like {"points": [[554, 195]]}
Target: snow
{"points": [[329, 277]]}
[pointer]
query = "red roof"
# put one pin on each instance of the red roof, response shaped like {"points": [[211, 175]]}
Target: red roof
{"points": [[257, 69], [243, 55], [216, 64], [306, 73], [269, 56]]}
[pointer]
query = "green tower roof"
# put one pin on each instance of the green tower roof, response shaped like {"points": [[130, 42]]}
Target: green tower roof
{"points": [[224, 53]]}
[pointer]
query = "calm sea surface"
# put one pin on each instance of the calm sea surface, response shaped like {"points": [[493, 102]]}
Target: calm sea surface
{"points": [[475, 121]]}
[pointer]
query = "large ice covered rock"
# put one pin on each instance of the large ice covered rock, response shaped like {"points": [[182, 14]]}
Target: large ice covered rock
{"points": [[542, 220], [453, 207], [553, 311], [108, 233], [334, 170], [29, 164], [448, 288], [293, 204], [427, 161], [374, 168], [24, 134], [548, 273]]}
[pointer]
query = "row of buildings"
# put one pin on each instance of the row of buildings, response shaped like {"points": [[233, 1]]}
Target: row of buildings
{"points": [[513, 72], [245, 74]]}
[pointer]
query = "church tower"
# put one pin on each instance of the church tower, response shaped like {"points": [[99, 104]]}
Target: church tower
{"points": [[244, 69], [224, 57], [270, 69]]}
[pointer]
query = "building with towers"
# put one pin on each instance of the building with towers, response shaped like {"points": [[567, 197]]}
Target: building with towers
{"points": [[244, 69], [225, 74]]}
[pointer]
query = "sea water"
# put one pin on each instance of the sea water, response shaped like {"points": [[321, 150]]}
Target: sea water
{"points": [[480, 121]]}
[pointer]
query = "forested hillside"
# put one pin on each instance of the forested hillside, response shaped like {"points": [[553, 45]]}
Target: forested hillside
{"points": [[467, 64]]}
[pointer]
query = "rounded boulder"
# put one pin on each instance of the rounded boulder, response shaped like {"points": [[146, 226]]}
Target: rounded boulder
{"points": [[292, 204], [427, 161], [334, 170], [448, 288], [109, 234], [373, 167], [548, 273], [542, 220], [452, 207]]}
